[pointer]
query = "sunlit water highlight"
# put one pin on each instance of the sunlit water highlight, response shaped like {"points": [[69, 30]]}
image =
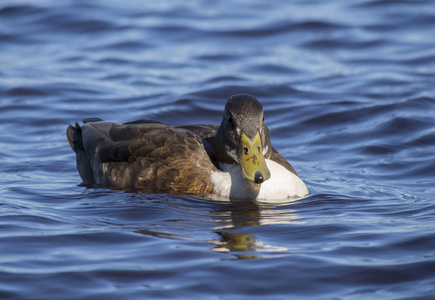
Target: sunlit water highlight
{"points": [[348, 92]]}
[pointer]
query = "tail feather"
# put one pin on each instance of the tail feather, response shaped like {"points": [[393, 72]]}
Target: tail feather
{"points": [[75, 139]]}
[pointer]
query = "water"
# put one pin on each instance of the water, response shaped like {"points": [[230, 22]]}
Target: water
{"points": [[348, 89]]}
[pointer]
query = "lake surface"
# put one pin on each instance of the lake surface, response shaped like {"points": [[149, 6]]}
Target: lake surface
{"points": [[348, 89]]}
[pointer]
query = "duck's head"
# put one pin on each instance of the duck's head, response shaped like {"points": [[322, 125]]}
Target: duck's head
{"points": [[243, 138]]}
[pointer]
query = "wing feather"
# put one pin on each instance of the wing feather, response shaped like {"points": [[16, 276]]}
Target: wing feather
{"points": [[149, 155]]}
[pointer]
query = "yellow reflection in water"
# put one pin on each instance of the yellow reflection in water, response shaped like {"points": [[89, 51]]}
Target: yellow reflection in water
{"points": [[240, 216]]}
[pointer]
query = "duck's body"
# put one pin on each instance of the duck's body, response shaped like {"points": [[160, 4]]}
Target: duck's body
{"points": [[234, 159]]}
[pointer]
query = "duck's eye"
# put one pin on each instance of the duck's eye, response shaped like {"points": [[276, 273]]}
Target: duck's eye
{"points": [[263, 118], [229, 119], [246, 150], [258, 149]]}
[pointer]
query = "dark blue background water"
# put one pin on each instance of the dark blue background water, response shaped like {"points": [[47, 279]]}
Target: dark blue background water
{"points": [[348, 89]]}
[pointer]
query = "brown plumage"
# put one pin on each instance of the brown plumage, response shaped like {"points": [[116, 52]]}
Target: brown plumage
{"points": [[154, 157]]}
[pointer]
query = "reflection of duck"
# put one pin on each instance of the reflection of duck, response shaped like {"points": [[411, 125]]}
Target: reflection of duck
{"points": [[235, 159], [236, 238]]}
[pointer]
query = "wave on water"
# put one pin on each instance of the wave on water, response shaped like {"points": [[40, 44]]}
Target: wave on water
{"points": [[348, 94]]}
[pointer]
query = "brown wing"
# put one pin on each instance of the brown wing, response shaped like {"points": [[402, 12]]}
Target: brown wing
{"points": [[205, 131], [149, 156]]}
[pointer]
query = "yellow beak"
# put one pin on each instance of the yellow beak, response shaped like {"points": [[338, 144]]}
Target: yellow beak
{"points": [[251, 159]]}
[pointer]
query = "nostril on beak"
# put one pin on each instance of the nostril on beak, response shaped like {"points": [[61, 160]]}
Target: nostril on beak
{"points": [[258, 177]]}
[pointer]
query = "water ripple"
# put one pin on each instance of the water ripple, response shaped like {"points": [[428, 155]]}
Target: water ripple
{"points": [[348, 95]]}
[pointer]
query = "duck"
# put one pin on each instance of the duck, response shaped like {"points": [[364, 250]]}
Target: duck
{"points": [[234, 160]]}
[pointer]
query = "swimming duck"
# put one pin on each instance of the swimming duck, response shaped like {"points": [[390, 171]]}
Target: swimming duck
{"points": [[234, 160]]}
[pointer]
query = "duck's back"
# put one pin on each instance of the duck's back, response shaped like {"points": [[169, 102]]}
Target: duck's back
{"points": [[144, 155]]}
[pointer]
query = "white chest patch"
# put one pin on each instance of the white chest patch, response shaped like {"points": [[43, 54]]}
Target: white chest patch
{"points": [[281, 185]]}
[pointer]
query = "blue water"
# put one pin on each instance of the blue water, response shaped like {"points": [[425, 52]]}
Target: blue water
{"points": [[348, 89]]}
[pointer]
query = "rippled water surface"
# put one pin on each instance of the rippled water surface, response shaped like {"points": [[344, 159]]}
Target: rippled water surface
{"points": [[348, 89]]}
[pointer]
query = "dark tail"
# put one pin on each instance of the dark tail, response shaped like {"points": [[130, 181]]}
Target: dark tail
{"points": [[74, 135], [75, 139]]}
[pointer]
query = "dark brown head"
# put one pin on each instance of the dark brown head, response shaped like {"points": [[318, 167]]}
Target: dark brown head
{"points": [[243, 138]]}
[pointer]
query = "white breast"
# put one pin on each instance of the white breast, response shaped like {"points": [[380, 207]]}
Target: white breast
{"points": [[281, 185]]}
